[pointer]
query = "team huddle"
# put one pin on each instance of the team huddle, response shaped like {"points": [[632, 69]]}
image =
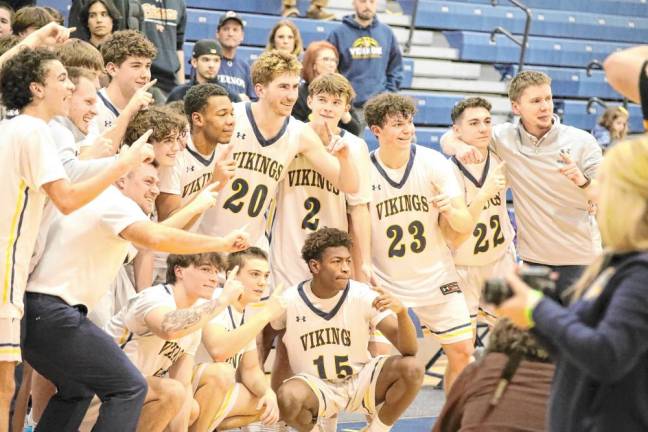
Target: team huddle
{"points": [[241, 226]]}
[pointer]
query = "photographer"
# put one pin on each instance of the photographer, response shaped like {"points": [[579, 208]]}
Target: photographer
{"points": [[513, 356], [600, 342]]}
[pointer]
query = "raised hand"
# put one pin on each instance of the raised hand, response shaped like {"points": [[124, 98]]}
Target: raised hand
{"points": [[138, 152], [232, 289], [49, 35], [495, 182], [276, 304], [467, 154], [386, 301], [440, 200], [141, 100], [571, 171], [206, 198], [225, 166], [337, 146], [100, 148], [237, 240], [270, 413]]}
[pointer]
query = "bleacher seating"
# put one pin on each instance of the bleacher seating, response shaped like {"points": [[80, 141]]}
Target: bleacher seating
{"points": [[576, 114]]}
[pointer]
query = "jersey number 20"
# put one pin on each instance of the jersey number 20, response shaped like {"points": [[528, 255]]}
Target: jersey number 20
{"points": [[257, 198]]}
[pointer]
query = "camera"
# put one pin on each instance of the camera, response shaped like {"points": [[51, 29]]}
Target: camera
{"points": [[540, 278]]}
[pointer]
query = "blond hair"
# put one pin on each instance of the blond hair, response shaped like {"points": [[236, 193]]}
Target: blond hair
{"points": [[271, 64], [623, 204], [526, 79], [332, 84], [608, 118]]}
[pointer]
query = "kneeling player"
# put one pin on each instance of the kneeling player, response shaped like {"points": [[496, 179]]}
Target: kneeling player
{"points": [[235, 390], [327, 324], [487, 251]]}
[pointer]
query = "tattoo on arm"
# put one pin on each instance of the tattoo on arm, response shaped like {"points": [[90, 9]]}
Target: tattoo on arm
{"points": [[182, 319]]}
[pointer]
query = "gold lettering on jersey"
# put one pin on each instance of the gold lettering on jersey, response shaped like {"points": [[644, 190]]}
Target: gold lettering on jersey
{"points": [[402, 203], [260, 163], [309, 177], [325, 336], [172, 351], [156, 13], [495, 200], [197, 185]]}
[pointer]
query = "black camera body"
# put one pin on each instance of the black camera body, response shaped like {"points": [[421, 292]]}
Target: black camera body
{"points": [[540, 278]]}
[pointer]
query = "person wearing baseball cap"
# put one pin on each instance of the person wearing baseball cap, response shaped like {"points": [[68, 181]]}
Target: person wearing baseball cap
{"points": [[205, 61], [234, 74]]}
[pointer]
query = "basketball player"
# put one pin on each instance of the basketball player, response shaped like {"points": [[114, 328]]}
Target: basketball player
{"points": [[488, 251], [160, 330], [327, 324], [241, 394], [35, 83], [266, 140], [414, 188]]}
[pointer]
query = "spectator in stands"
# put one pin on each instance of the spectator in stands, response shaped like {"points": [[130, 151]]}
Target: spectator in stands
{"points": [[551, 168], [6, 16], [321, 58], [370, 57], [522, 405], [611, 127], [100, 18], [234, 73], [600, 343], [315, 11], [29, 19], [285, 37], [205, 61], [164, 25], [130, 16]]}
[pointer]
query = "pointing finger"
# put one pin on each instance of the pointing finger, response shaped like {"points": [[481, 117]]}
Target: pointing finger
{"points": [[232, 273], [149, 84]]}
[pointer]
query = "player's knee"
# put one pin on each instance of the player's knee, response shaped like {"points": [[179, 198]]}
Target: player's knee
{"points": [[288, 401], [7, 384], [460, 353], [218, 376], [195, 411], [172, 394], [411, 371]]}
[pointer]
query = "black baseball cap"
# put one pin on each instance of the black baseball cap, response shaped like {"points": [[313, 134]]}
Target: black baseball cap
{"points": [[207, 46], [228, 16]]}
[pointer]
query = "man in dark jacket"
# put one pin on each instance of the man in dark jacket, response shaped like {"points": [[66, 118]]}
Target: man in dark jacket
{"points": [[370, 57]]}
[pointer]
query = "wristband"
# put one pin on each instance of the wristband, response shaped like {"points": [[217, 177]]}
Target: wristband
{"points": [[587, 182], [533, 299]]}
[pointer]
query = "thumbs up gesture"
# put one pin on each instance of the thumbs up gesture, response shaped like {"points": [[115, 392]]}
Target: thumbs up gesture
{"points": [[495, 182]]}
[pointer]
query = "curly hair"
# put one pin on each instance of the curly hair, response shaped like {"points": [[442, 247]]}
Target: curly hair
{"points": [[8, 41], [210, 258], [78, 53], [161, 119], [30, 16], [240, 258], [506, 338], [17, 74], [299, 46], [127, 43], [271, 64], [197, 96], [310, 57], [316, 243], [386, 105], [113, 13], [463, 105]]}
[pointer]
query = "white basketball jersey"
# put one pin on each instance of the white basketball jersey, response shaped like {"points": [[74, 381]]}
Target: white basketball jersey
{"points": [[493, 233], [328, 338], [408, 251], [107, 112], [306, 201], [152, 355], [261, 164]]}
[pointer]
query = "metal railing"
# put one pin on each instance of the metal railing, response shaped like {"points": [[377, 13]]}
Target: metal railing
{"points": [[410, 37], [525, 37]]}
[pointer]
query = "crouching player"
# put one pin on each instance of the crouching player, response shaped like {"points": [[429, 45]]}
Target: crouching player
{"points": [[233, 390], [160, 330], [327, 323]]}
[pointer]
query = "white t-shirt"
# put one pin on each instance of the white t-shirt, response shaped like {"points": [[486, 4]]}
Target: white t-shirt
{"points": [[152, 355], [107, 112], [409, 254], [84, 249], [306, 201], [28, 160], [328, 338]]}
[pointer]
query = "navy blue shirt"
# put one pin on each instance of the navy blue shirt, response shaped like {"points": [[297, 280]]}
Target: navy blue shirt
{"points": [[600, 345], [234, 76]]}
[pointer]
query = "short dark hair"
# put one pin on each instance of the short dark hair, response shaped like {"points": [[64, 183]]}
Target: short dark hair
{"points": [[184, 261], [19, 72], [317, 242], [472, 102], [30, 16], [240, 258], [196, 98], [508, 339], [113, 12], [386, 105]]}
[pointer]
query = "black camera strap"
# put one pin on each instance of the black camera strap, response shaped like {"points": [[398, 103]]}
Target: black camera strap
{"points": [[511, 366]]}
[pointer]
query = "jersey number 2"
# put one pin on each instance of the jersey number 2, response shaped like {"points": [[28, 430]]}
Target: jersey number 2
{"points": [[313, 206], [257, 199], [482, 244], [342, 367]]}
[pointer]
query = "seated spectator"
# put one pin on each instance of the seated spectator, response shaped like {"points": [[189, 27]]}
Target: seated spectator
{"points": [[30, 19], [234, 73], [6, 16], [522, 405], [315, 11], [611, 127], [205, 61], [100, 18], [285, 37], [321, 58]]}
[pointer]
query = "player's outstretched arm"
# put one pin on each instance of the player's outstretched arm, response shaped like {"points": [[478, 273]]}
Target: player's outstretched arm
{"points": [[49, 35], [400, 330], [170, 324], [331, 159], [222, 344], [623, 68], [68, 197], [254, 379]]}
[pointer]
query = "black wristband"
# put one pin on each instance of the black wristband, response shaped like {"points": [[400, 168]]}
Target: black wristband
{"points": [[587, 182]]}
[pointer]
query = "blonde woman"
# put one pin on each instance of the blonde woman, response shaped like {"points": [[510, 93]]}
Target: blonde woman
{"points": [[285, 37], [611, 127], [600, 342]]}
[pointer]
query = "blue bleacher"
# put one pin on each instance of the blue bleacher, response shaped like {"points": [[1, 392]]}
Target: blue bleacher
{"points": [[453, 15], [475, 46], [576, 115]]}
